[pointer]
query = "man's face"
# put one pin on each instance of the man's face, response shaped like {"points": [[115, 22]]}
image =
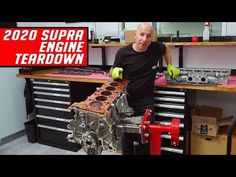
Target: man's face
{"points": [[143, 37]]}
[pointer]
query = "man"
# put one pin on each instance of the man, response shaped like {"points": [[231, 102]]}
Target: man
{"points": [[137, 63]]}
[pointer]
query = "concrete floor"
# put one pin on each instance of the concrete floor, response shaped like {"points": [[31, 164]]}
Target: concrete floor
{"points": [[21, 146]]}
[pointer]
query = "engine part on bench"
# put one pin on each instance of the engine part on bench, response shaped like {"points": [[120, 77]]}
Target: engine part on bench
{"points": [[201, 76], [96, 118], [80, 71]]}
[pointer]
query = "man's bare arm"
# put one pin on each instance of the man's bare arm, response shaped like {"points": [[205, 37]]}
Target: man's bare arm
{"points": [[167, 56], [110, 72]]}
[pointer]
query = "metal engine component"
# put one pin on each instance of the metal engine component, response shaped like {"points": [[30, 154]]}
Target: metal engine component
{"points": [[80, 71], [96, 118], [201, 76]]}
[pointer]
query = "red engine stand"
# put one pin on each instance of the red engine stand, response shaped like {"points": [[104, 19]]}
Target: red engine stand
{"points": [[152, 133]]}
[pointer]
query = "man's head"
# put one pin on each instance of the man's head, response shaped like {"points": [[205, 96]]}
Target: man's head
{"points": [[143, 37]]}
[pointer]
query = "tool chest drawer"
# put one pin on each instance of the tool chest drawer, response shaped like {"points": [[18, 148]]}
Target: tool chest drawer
{"points": [[52, 96], [51, 89], [174, 103], [50, 83], [51, 101], [52, 121], [56, 137]]}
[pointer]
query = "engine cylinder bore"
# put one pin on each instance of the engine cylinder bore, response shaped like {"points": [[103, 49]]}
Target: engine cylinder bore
{"points": [[190, 79], [96, 104], [114, 84], [106, 93], [110, 88], [101, 98], [203, 79]]}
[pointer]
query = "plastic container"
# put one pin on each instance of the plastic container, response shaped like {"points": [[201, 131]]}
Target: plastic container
{"points": [[206, 33], [210, 28], [30, 129], [122, 36], [195, 38]]}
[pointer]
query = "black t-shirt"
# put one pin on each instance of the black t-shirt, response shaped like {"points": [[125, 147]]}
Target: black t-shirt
{"points": [[138, 69]]}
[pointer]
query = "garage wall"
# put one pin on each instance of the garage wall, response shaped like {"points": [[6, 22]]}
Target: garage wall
{"points": [[12, 107]]}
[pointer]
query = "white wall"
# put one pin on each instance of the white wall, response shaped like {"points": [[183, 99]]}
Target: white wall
{"points": [[187, 28], [229, 29], [212, 56], [12, 105]]}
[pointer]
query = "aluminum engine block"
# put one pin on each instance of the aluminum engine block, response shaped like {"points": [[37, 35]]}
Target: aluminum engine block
{"points": [[201, 76], [96, 118]]}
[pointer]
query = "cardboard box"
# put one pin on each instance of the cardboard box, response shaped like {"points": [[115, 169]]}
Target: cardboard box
{"points": [[206, 120], [233, 145], [129, 36], [209, 145]]}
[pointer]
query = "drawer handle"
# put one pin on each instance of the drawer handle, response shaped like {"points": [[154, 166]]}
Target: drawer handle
{"points": [[172, 115], [52, 108], [50, 83], [169, 106], [179, 151], [52, 101], [52, 89], [53, 118], [52, 94], [179, 100], [181, 138], [169, 92], [54, 128]]}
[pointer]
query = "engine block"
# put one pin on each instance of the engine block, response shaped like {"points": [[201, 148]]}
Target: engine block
{"points": [[96, 118], [201, 76]]}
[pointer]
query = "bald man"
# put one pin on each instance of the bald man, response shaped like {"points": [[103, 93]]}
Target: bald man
{"points": [[137, 63]]}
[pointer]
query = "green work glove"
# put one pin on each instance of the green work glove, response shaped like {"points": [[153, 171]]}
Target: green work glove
{"points": [[172, 71], [117, 73]]}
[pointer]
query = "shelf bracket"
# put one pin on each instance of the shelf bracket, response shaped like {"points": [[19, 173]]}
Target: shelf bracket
{"points": [[180, 55]]}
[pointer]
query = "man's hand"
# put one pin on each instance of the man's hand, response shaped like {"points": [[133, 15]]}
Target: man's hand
{"points": [[117, 73], [172, 71]]}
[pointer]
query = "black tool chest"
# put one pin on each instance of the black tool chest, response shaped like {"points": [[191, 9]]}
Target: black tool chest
{"points": [[174, 103], [51, 101]]}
